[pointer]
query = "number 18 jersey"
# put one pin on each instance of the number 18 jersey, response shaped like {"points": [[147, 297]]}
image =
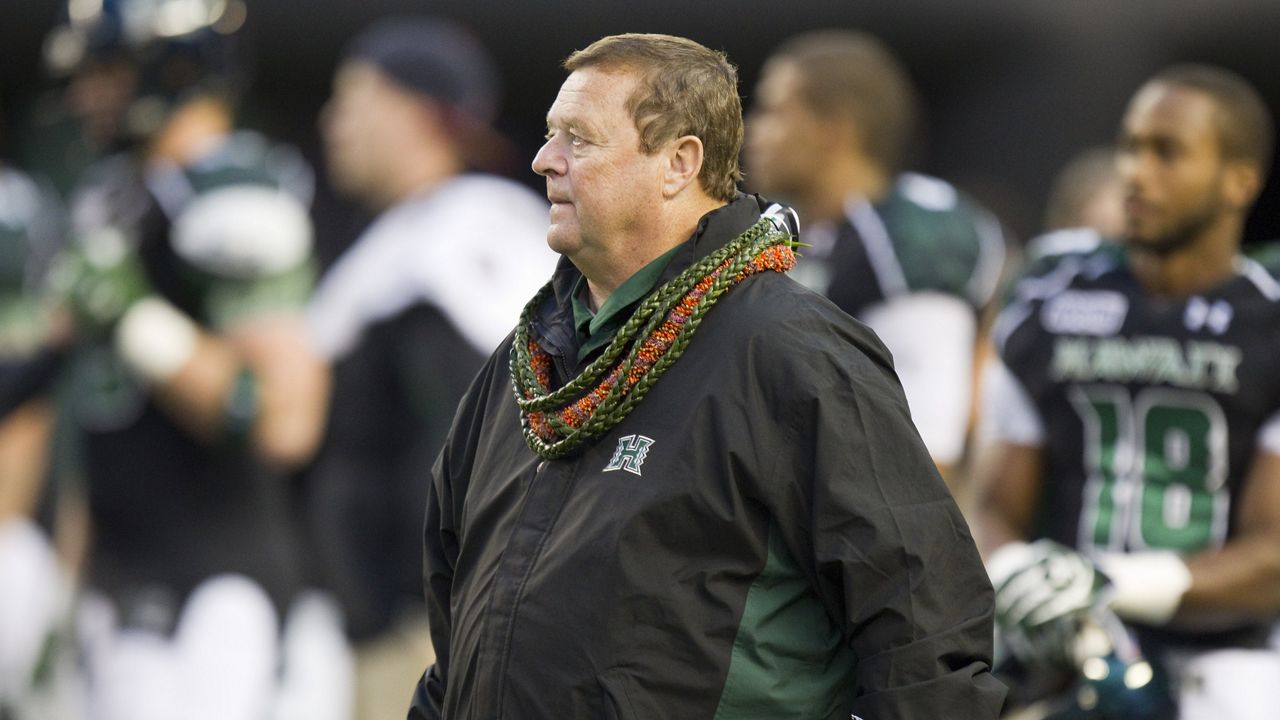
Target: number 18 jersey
{"points": [[1151, 408]]}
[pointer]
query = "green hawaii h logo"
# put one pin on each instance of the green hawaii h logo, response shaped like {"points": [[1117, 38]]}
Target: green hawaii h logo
{"points": [[630, 454]]}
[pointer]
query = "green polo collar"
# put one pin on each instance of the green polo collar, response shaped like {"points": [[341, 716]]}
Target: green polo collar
{"points": [[595, 330]]}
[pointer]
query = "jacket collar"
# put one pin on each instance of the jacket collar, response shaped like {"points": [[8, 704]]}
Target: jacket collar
{"points": [[553, 323]]}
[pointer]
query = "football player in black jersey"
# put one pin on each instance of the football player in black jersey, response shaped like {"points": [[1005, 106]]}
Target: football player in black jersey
{"points": [[195, 389], [1133, 419], [908, 254]]}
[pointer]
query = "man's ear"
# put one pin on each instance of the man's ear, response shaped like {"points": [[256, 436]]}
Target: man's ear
{"points": [[1241, 184], [684, 162]]}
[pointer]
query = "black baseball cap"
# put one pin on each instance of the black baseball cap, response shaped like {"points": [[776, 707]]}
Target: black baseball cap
{"points": [[435, 57]]}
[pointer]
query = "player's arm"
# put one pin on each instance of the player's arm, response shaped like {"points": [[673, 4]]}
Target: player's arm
{"points": [[24, 448], [1042, 589], [246, 373], [1242, 579], [260, 378], [1008, 489], [1010, 465]]}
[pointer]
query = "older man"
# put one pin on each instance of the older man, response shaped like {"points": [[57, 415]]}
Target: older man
{"points": [[705, 497]]}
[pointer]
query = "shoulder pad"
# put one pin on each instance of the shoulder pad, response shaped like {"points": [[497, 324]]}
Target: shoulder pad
{"points": [[243, 231], [247, 157], [930, 193], [1058, 243], [1076, 249]]}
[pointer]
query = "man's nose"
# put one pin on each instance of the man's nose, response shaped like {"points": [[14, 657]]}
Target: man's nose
{"points": [[548, 161]]}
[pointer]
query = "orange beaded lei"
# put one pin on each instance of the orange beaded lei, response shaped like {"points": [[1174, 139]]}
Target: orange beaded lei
{"points": [[558, 423]]}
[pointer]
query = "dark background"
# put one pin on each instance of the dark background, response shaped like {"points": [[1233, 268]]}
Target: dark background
{"points": [[1011, 88]]}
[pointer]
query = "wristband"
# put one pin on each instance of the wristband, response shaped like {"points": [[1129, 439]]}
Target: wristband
{"points": [[155, 339], [1147, 586]]}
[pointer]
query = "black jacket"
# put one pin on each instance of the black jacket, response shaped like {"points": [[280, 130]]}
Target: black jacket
{"points": [[782, 547]]}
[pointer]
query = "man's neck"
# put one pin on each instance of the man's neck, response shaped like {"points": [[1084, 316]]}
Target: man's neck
{"points": [[607, 275], [418, 175], [1202, 264], [856, 178], [191, 130]]}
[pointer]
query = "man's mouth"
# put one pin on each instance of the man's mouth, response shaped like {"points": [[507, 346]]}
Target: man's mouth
{"points": [[1136, 206]]}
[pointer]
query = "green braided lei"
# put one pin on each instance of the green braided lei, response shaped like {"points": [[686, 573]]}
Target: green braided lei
{"points": [[559, 423]]}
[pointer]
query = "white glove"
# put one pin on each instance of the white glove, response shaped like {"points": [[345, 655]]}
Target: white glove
{"points": [[1043, 591]]}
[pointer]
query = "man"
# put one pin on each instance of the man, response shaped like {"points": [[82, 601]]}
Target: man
{"points": [[195, 390], [907, 254], [1085, 205], [706, 498], [1135, 416], [407, 315], [1087, 193]]}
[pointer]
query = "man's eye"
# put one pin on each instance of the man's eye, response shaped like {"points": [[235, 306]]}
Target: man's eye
{"points": [[576, 141]]}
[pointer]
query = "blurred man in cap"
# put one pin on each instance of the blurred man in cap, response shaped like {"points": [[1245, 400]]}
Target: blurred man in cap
{"points": [[407, 315]]}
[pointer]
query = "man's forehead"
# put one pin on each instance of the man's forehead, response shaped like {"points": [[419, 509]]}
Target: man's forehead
{"points": [[1171, 109], [363, 76], [781, 80], [591, 93], [355, 72]]}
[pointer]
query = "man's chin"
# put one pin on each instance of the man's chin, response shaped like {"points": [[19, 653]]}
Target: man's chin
{"points": [[561, 241], [1156, 244]]}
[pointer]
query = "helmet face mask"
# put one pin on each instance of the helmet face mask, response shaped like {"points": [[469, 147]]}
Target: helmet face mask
{"points": [[174, 50], [1110, 678], [147, 20]]}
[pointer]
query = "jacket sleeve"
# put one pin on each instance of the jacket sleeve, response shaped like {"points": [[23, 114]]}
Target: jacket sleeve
{"points": [[428, 698], [442, 527], [890, 555], [439, 557]]}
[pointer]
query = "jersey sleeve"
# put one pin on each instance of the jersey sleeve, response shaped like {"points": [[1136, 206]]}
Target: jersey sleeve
{"points": [[931, 336], [1007, 413]]}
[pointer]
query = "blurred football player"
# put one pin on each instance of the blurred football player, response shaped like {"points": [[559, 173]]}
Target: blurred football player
{"points": [[33, 584], [905, 253], [195, 390], [1085, 205], [1133, 416], [407, 315], [1087, 193]]}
